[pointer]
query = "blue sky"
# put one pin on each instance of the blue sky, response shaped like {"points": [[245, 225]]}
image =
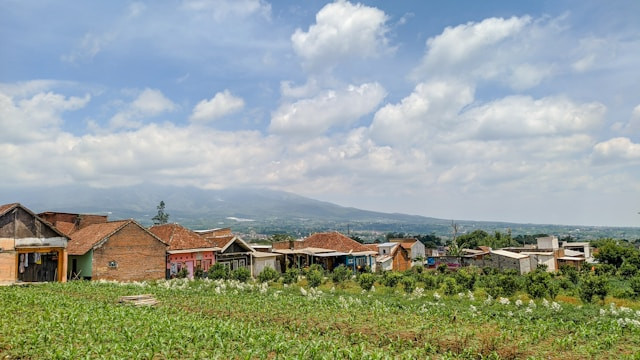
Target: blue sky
{"points": [[502, 111]]}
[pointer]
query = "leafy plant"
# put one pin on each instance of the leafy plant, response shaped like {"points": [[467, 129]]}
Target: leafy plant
{"points": [[219, 271], [314, 278], [267, 274], [366, 281], [241, 274], [340, 274]]}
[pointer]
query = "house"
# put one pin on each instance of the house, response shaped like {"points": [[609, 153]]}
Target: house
{"points": [[187, 249], [393, 256], [31, 249], [329, 249], [233, 251], [503, 259], [582, 247], [116, 250], [416, 249], [262, 260]]}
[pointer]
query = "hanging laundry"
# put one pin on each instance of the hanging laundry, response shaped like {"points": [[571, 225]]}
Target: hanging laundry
{"points": [[37, 258], [21, 266], [26, 260]]}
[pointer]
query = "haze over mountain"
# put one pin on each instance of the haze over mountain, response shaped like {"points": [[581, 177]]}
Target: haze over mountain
{"points": [[259, 210]]}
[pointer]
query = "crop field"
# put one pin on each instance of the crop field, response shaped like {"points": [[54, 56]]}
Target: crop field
{"points": [[228, 319]]}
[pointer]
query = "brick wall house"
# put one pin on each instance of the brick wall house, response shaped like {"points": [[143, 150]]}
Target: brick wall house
{"points": [[117, 250]]}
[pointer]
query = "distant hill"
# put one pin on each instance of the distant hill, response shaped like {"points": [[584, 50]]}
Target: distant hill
{"points": [[261, 211]]}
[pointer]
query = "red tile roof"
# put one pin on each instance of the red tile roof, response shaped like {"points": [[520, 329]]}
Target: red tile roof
{"points": [[179, 238], [66, 228], [88, 237], [85, 239], [334, 241], [6, 207]]}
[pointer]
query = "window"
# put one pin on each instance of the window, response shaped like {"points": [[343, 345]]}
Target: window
{"points": [[113, 264], [241, 263]]}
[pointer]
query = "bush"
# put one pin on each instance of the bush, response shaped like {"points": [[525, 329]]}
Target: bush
{"points": [[429, 281], [466, 278], [627, 270], [450, 286], [442, 268], [290, 276], [314, 278], [571, 273], [183, 273], [366, 281], [418, 269], [537, 283], [241, 274], [408, 284], [593, 285], [219, 271], [199, 273], [391, 279], [340, 274], [635, 285], [268, 274], [314, 267], [501, 284], [605, 269]]}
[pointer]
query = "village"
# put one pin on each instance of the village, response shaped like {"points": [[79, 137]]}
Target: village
{"points": [[58, 247]]}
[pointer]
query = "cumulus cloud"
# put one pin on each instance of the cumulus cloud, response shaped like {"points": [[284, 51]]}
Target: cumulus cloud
{"points": [[509, 51], [522, 116], [35, 117], [342, 31], [222, 104], [313, 116], [430, 106], [619, 149], [148, 103]]}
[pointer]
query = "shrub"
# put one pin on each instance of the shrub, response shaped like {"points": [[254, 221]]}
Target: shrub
{"points": [[627, 270], [605, 269], [314, 267], [466, 278], [450, 286], [429, 281], [418, 269], [442, 268], [340, 274], [593, 285], [408, 284], [537, 283], [391, 279], [199, 273], [290, 276], [219, 271], [571, 273], [267, 274], [241, 274], [314, 278], [183, 273], [366, 281], [635, 285]]}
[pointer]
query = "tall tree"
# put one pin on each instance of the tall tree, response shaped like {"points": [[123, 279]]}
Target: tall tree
{"points": [[161, 217]]}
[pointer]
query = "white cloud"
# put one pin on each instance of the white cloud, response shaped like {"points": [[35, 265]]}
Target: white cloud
{"points": [[229, 9], [619, 149], [310, 117], [523, 116], [222, 104], [148, 103], [36, 117], [511, 51], [431, 106], [342, 30]]}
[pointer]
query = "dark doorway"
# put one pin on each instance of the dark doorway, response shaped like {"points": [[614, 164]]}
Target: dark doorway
{"points": [[38, 267]]}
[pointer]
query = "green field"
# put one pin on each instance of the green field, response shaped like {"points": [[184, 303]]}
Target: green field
{"points": [[226, 319]]}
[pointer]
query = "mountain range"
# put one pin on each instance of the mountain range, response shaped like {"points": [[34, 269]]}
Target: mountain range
{"points": [[262, 211]]}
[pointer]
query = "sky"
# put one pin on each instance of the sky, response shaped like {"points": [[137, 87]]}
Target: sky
{"points": [[511, 111]]}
